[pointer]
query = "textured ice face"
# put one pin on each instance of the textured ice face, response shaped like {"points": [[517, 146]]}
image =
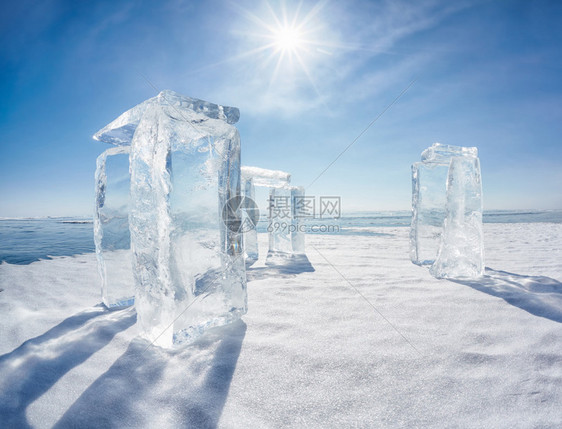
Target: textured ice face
{"points": [[120, 131]]}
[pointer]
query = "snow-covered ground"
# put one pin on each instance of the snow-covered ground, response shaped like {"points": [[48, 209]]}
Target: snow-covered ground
{"points": [[360, 337]]}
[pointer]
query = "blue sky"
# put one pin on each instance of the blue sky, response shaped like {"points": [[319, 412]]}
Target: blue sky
{"points": [[487, 74]]}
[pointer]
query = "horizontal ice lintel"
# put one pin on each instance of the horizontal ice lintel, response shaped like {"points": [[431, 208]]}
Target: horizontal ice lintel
{"points": [[121, 130], [442, 153], [266, 178]]}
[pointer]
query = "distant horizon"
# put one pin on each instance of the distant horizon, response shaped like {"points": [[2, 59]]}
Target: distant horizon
{"points": [[344, 213]]}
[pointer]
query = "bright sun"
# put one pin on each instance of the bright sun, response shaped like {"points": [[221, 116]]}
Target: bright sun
{"points": [[287, 42], [288, 39]]}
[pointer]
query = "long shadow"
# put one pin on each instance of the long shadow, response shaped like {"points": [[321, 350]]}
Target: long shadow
{"points": [[34, 367], [280, 265], [211, 395], [193, 393], [538, 295]]}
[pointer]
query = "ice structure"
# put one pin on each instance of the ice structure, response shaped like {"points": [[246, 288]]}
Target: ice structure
{"points": [[188, 264], [260, 177], [111, 227], [286, 233], [266, 178], [461, 253], [446, 230], [250, 234]]}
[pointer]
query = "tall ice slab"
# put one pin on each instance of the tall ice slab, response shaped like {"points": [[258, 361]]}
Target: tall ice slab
{"points": [[446, 231], [250, 234], [286, 231], [461, 251], [111, 227], [188, 265]]}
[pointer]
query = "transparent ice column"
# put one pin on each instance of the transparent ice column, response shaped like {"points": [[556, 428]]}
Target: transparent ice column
{"points": [[298, 230], [461, 252], [188, 262], [250, 234], [111, 227], [280, 221], [286, 231], [429, 199]]}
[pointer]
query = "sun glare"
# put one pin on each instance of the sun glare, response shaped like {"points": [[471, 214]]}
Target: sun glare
{"points": [[288, 39], [288, 42]]}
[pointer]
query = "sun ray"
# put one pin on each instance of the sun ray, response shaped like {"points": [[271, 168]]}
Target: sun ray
{"points": [[297, 13], [307, 73], [289, 44], [276, 70], [294, 37], [274, 15]]}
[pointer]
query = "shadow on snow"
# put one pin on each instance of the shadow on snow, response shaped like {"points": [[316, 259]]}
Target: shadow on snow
{"points": [[130, 392], [538, 295], [35, 366], [279, 265]]}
